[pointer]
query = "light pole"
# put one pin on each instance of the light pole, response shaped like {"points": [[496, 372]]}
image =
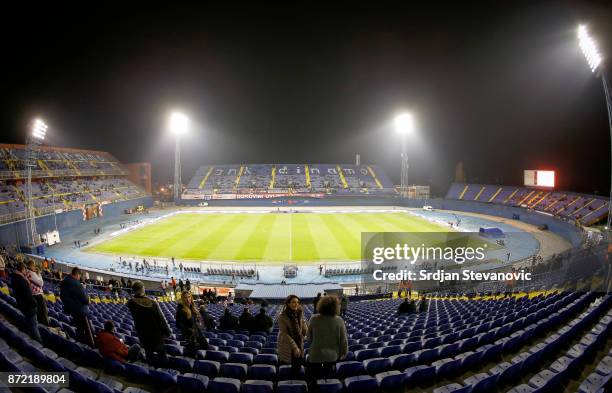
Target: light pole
{"points": [[594, 59], [179, 125], [33, 143], [404, 125]]}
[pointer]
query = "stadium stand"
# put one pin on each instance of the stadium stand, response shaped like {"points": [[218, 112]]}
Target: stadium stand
{"points": [[586, 209], [63, 180], [342, 179], [521, 342]]}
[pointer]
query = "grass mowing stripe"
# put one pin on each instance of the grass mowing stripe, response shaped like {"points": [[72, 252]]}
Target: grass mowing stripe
{"points": [[327, 246], [304, 248], [277, 247], [199, 240], [363, 224], [344, 237], [214, 238], [255, 245], [234, 237]]}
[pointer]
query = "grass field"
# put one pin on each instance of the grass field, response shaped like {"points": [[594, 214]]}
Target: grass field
{"points": [[269, 237]]}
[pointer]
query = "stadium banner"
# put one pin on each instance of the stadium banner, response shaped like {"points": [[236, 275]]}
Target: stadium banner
{"points": [[208, 197], [466, 262]]}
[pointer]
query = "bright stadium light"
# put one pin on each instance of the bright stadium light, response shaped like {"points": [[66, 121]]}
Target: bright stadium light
{"points": [[39, 129], [595, 60], [589, 48], [404, 123], [179, 123], [404, 126]]}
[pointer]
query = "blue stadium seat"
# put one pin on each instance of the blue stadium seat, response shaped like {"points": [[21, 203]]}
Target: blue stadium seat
{"points": [[136, 373], [224, 385], [376, 365], [255, 386], [361, 384], [481, 383], [209, 368], [292, 386], [391, 380], [234, 370], [266, 359], [182, 364], [162, 378], [329, 386], [190, 382], [263, 372], [453, 388], [349, 369], [284, 372], [241, 357]]}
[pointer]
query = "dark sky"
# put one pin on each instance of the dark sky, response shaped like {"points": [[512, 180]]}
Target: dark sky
{"points": [[501, 86]]}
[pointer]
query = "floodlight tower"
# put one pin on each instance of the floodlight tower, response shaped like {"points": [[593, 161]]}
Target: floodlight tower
{"points": [[33, 143], [179, 125], [591, 52], [404, 125]]}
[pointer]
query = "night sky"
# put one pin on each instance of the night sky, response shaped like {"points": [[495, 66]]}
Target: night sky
{"points": [[501, 86]]}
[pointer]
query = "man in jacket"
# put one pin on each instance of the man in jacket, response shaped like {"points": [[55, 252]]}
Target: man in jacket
{"points": [[150, 324], [76, 304], [25, 301], [262, 322]]}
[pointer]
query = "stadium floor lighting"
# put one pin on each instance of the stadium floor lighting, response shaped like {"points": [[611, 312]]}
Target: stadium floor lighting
{"points": [[39, 129], [589, 48]]}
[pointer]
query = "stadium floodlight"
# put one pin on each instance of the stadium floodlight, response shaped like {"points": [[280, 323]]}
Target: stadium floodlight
{"points": [[404, 126], [404, 123], [39, 129], [179, 123], [589, 48], [595, 60]]}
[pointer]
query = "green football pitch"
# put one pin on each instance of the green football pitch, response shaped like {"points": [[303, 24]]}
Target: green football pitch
{"points": [[261, 237]]}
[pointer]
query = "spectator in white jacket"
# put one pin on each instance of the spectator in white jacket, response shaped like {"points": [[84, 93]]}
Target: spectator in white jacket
{"points": [[36, 285]]}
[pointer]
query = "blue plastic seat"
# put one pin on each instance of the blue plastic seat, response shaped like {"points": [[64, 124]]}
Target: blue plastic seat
{"points": [[190, 382], [453, 388], [266, 359], [349, 369], [391, 380], [329, 386], [391, 350], [365, 354], [224, 385], [448, 367], [217, 356], [234, 370], [263, 372], [361, 384], [481, 383], [284, 372], [182, 364], [255, 386], [209, 368], [162, 378], [376, 365], [292, 386], [241, 357], [136, 373], [418, 375]]}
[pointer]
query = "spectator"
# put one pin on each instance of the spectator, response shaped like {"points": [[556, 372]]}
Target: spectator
{"points": [[2, 268], [423, 305], [246, 320], [407, 307], [343, 305], [36, 285], [264, 303], [150, 324], [76, 304], [188, 285], [207, 320], [25, 301], [328, 340], [292, 330], [262, 322], [187, 321], [173, 281], [228, 321], [316, 301], [181, 285], [112, 347]]}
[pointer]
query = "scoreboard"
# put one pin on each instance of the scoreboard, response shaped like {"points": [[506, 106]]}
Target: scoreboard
{"points": [[537, 178]]}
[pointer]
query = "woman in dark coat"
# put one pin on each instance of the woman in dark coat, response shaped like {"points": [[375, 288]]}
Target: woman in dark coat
{"points": [[188, 322]]}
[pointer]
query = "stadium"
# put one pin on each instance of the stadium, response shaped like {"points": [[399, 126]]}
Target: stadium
{"points": [[465, 284]]}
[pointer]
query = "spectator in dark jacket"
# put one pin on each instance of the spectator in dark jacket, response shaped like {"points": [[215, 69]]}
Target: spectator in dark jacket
{"points": [[207, 320], [423, 305], [262, 322], [112, 347], [76, 304], [315, 302], [187, 321], [150, 324], [228, 321], [25, 301], [246, 320], [407, 307]]}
